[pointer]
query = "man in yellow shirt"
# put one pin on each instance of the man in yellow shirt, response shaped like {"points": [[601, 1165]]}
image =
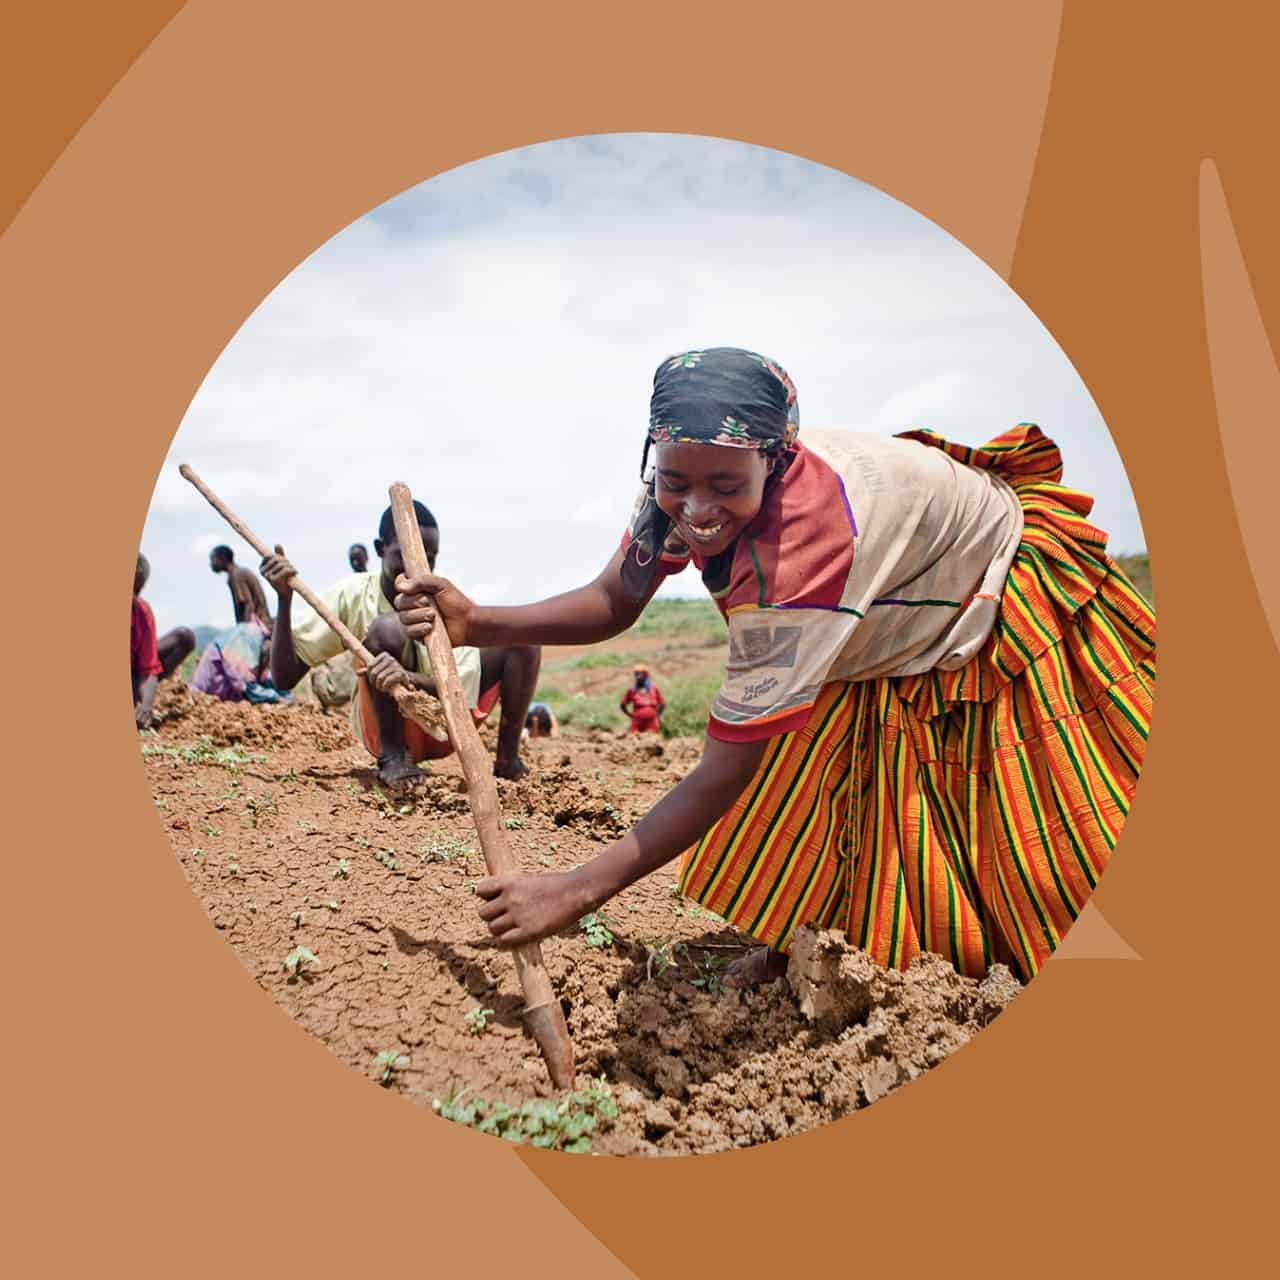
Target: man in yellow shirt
{"points": [[363, 602]]}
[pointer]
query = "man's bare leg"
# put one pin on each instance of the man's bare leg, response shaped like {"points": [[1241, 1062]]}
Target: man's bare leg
{"points": [[397, 769], [515, 668]]}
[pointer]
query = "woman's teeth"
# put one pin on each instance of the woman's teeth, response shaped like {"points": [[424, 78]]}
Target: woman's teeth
{"points": [[706, 531]]}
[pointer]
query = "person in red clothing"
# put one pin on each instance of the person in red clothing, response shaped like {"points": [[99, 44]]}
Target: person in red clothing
{"points": [[643, 702], [151, 658]]}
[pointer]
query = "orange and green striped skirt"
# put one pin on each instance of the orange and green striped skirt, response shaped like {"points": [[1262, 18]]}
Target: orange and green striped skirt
{"points": [[967, 813]]}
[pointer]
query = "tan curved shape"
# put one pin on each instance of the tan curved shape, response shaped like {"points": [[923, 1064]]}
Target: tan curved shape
{"points": [[1246, 387], [1092, 938]]}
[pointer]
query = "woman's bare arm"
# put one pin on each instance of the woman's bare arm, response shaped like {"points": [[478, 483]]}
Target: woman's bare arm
{"points": [[590, 613]]}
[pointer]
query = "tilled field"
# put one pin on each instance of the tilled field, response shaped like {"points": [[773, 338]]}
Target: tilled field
{"points": [[354, 910]]}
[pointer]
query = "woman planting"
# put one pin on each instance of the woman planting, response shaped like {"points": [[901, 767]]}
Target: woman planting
{"points": [[938, 689]]}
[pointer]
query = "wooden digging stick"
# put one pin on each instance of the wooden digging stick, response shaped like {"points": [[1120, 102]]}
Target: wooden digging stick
{"points": [[543, 1016], [412, 703]]}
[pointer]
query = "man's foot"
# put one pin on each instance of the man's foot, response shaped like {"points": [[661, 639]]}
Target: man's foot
{"points": [[513, 770], [755, 969], [398, 772]]}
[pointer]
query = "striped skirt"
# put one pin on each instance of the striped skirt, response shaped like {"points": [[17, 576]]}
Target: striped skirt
{"points": [[967, 813]]}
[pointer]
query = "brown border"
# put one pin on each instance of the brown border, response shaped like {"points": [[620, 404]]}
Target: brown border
{"points": [[163, 1114]]}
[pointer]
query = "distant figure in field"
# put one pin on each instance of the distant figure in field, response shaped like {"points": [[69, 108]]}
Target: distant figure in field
{"points": [[248, 601], [151, 659], [363, 602], [643, 702], [358, 557], [541, 721]]}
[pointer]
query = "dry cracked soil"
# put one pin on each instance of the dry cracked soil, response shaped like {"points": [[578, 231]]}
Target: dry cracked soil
{"points": [[354, 911]]}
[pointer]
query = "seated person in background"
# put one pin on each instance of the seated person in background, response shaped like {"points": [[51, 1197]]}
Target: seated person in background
{"points": [[247, 598], [151, 659], [364, 604], [358, 557], [541, 721], [643, 702]]}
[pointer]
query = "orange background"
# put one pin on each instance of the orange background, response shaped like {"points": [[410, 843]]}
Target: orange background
{"points": [[170, 163]]}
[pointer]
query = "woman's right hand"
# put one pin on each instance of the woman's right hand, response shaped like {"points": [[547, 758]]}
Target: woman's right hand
{"points": [[278, 571], [420, 600]]}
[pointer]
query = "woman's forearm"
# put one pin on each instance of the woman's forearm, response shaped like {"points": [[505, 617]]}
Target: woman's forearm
{"points": [[583, 616]]}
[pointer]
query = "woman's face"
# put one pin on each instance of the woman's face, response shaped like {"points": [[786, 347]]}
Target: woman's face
{"points": [[710, 491]]}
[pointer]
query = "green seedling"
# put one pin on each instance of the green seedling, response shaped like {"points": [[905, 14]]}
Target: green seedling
{"points": [[387, 1062], [333, 906], [296, 917], [209, 829], [343, 869], [202, 751], [545, 859], [477, 1020], [234, 868], [516, 824], [388, 859], [297, 960], [565, 1124], [661, 954], [707, 977], [258, 807], [597, 929], [198, 854], [307, 828], [444, 850]]}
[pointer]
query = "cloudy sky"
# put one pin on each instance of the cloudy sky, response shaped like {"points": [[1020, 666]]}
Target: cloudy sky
{"points": [[490, 337]]}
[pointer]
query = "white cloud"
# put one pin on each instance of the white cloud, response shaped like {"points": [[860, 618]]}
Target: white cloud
{"points": [[601, 508], [490, 338]]}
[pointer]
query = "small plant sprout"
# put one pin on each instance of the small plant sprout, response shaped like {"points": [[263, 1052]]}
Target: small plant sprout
{"points": [[296, 917], [202, 751], [296, 961], [596, 927], [564, 1124], [444, 850], [707, 978], [307, 828], [388, 1062], [343, 869], [388, 859], [477, 1020], [333, 906], [234, 868], [661, 954], [516, 824]]}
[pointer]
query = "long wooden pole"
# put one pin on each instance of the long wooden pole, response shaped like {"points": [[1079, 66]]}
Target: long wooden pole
{"points": [[543, 1015], [412, 703]]}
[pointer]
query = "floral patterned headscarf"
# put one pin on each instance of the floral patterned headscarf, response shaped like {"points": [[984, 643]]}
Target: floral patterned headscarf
{"points": [[720, 395]]}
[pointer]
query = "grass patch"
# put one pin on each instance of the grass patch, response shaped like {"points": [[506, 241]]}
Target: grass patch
{"points": [[563, 1125], [202, 751], [674, 616], [689, 700], [1138, 567], [595, 661]]}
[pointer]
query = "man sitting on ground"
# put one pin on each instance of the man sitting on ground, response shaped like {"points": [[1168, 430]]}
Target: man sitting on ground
{"points": [[151, 659], [363, 602]]}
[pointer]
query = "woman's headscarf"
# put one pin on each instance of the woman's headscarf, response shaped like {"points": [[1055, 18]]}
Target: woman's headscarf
{"points": [[721, 395]]}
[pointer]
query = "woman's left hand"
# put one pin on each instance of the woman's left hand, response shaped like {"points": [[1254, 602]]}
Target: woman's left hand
{"points": [[520, 908]]}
